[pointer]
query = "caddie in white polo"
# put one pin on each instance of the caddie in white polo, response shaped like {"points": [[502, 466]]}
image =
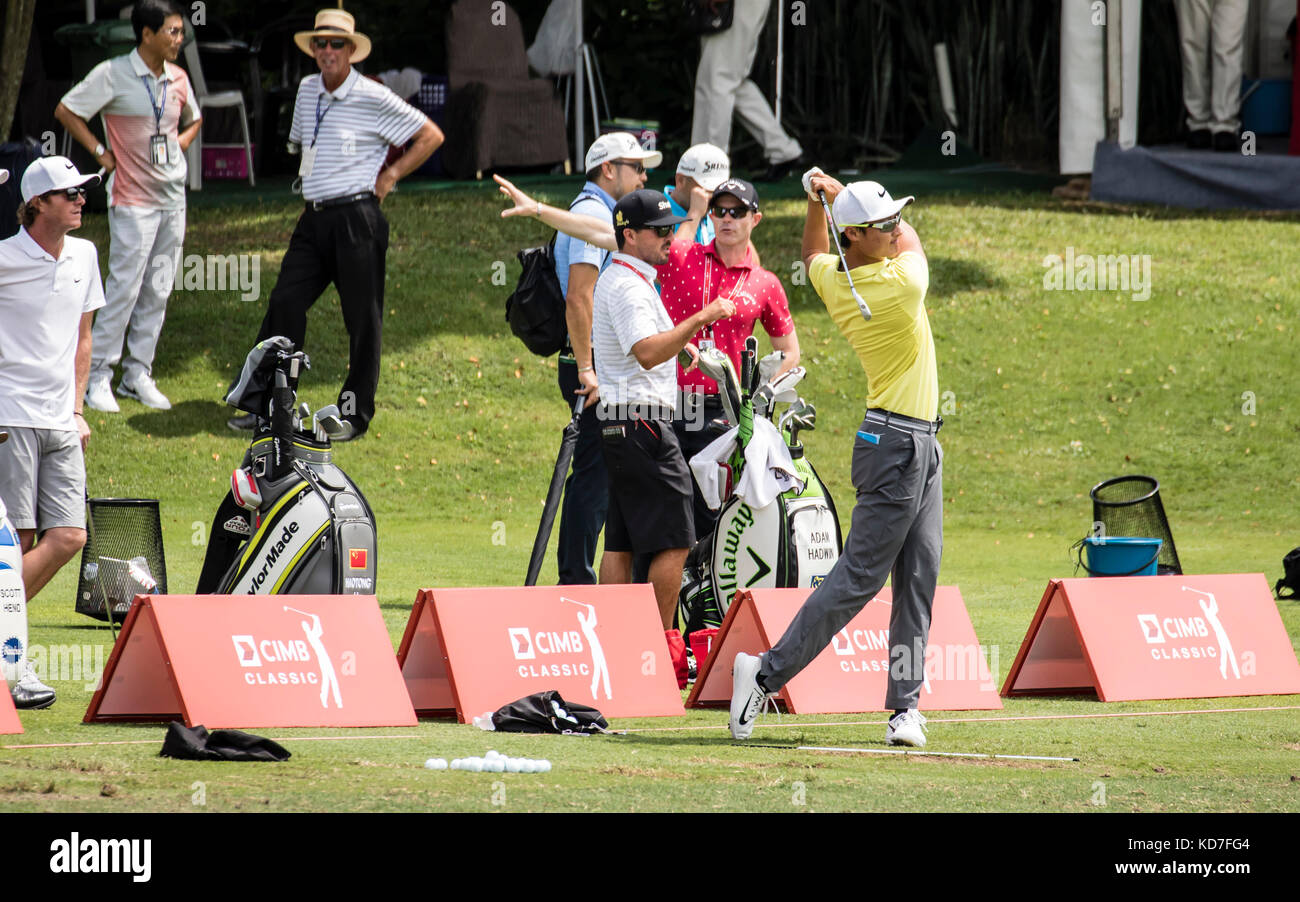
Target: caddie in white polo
{"points": [[897, 461], [49, 290]]}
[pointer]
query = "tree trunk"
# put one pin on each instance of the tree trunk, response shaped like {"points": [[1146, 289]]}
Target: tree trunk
{"points": [[13, 56]]}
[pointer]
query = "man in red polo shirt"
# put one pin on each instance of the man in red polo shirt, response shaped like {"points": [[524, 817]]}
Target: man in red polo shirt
{"points": [[727, 267]]}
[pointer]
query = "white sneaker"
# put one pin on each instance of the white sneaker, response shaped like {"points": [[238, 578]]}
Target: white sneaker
{"points": [[29, 680], [907, 728], [99, 395], [145, 391], [747, 699]]}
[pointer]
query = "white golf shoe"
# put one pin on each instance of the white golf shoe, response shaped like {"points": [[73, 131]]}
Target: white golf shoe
{"points": [[145, 391], [99, 395], [747, 698], [907, 728]]}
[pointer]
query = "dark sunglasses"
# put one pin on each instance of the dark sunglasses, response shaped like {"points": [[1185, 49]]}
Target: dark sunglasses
{"points": [[733, 212], [638, 168], [336, 43], [661, 231], [69, 193]]}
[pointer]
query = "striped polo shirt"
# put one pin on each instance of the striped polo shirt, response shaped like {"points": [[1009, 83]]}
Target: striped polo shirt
{"points": [[120, 89], [626, 309], [351, 130]]}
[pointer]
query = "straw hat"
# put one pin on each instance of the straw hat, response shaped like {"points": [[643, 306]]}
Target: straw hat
{"points": [[335, 23]]}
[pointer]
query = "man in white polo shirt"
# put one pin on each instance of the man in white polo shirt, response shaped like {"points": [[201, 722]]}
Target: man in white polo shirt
{"points": [[150, 118], [49, 290], [345, 124], [635, 347]]}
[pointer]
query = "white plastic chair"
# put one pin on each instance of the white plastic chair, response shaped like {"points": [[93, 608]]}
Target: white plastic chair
{"points": [[219, 100]]}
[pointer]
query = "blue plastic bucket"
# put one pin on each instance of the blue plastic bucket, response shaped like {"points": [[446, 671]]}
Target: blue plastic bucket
{"points": [[1121, 555], [1266, 106]]}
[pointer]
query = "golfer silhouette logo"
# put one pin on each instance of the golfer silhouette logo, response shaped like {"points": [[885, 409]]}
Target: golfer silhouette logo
{"points": [[1226, 655], [329, 681], [599, 669]]}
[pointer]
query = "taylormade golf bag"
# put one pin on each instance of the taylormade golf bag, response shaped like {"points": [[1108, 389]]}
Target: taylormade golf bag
{"points": [[13, 601], [293, 523]]}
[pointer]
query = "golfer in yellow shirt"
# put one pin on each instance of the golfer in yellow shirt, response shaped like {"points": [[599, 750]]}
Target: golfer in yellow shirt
{"points": [[897, 461]]}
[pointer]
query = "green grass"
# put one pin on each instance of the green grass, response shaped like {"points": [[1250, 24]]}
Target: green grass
{"points": [[1051, 392]]}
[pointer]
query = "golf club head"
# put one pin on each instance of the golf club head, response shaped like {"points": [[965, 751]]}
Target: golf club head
{"points": [[328, 422], [784, 421], [763, 401], [784, 389], [806, 419], [718, 366]]}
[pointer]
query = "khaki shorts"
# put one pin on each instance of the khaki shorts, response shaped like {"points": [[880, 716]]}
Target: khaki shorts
{"points": [[43, 478]]}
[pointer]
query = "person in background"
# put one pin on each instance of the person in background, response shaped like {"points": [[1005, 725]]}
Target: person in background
{"points": [[150, 118]]}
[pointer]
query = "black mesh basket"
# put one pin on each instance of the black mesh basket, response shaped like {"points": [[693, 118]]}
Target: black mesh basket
{"points": [[1130, 506], [123, 556]]}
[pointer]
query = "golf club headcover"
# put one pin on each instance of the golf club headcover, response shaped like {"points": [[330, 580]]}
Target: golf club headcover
{"points": [[244, 489], [807, 179]]}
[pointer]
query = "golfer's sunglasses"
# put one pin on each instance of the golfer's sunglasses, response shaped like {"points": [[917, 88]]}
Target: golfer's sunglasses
{"points": [[661, 231], [69, 193], [885, 225], [638, 168], [336, 43], [733, 212]]}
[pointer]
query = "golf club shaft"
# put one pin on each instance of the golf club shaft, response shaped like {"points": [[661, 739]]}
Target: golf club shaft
{"points": [[554, 492], [835, 235]]}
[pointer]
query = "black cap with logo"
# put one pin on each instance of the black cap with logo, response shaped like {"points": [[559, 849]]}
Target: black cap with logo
{"points": [[740, 189], [643, 209]]}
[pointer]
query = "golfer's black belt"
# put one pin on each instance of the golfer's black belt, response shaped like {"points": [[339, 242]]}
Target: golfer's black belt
{"points": [[898, 421], [318, 205]]}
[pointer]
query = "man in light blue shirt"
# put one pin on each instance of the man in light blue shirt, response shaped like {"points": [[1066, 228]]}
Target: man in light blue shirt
{"points": [[704, 165], [615, 165]]}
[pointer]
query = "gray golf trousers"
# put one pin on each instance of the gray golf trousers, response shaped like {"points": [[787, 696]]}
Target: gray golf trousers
{"points": [[897, 529]]}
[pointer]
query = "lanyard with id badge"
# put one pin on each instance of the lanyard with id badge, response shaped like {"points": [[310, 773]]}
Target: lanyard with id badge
{"points": [[707, 342], [158, 152], [308, 161]]}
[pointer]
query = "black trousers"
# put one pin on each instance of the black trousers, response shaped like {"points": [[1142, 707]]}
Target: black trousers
{"points": [[346, 245]]}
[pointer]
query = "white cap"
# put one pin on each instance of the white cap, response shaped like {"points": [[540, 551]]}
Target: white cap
{"points": [[705, 163], [53, 174], [619, 146], [864, 202]]}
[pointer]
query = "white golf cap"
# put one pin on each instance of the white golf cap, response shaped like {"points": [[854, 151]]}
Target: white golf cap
{"points": [[53, 174], [864, 202], [620, 146], [705, 163]]}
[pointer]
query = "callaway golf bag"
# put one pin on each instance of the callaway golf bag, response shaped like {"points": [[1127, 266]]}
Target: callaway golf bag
{"points": [[793, 541], [293, 522]]}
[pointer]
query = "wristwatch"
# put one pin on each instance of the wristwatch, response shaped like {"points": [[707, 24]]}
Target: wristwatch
{"points": [[100, 150]]}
